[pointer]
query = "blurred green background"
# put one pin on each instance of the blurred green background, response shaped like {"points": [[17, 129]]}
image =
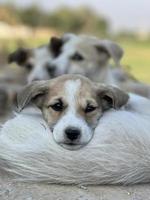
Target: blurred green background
{"points": [[31, 26]]}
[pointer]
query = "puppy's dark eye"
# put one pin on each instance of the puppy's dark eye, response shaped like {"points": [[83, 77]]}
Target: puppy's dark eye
{"points": [[90, 108], [57, 106], [77, 57], [29, 66]]}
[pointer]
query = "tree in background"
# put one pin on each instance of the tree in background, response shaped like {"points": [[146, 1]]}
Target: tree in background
{"points": [[62, 20], [65, 20], [78, 20], [8, 15], [32, 16]]}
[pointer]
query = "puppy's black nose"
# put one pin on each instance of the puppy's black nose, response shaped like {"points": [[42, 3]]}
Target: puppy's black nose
{"points": [[51, 70], [72, 133]]}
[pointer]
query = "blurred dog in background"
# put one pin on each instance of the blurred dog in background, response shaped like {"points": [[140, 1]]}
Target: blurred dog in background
{"points": [[35, 61], [71, 54], [85, 55], [35, 64]]}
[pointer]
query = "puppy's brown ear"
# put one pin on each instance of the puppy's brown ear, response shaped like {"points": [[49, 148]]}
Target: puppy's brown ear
{"points": [[19, 56], [55, 46], [112, 49], [111, 97], [34, 93]]}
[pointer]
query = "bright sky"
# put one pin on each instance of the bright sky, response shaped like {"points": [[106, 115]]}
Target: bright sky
{"points": [[123, 14]]}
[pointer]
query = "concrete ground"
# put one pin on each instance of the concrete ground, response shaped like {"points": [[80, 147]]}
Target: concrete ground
{"points": [[11, 190]]}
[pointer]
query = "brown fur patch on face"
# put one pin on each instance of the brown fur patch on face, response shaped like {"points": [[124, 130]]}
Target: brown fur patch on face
{"points": [[88, 49], [55, 95], [86, 96]]}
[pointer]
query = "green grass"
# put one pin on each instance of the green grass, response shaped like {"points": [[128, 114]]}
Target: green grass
{"points": [[9, 45], [136, 57]]}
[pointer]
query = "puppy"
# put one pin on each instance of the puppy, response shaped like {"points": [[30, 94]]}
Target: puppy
{"points": [[70, 54], [119, 152], [35, 61], [72, 106], [85, 55]]}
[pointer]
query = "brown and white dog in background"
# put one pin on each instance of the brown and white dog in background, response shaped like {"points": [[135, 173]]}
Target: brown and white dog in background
{"points": [[36, 62], [34, 65], [71, 54]]}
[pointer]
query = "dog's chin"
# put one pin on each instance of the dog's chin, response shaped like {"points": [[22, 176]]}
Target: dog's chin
{"points": [[71, 147]]}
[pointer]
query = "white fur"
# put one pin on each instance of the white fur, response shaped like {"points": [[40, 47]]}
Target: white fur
{"points": [[118, 153], [41, 57], [63, 63], [92, 65], [71, 119]]}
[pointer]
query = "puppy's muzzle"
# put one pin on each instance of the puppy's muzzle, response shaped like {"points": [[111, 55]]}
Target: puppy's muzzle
{"points": [[72, 134]]}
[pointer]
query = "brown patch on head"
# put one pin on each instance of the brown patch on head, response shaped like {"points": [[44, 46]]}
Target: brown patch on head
{"points": [[87, 57], [54, 98], [87, 103], [87, 51]]}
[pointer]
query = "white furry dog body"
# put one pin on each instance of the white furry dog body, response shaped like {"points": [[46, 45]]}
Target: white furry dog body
{"points": [[118, 153]]}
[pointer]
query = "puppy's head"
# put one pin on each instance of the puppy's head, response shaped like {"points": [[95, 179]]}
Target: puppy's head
{"points": [[36, 61], [83, 54], [72, 106]]}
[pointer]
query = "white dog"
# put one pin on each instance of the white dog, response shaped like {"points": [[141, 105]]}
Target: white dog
{"points": [[86, 55], [35, 61], [69, 54], [117, 152]]}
